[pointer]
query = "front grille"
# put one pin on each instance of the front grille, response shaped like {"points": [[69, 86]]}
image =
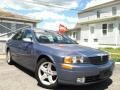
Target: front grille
{"points": [[97, 60], [92, 79]]}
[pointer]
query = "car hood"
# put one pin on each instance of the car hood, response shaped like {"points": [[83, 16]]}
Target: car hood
{"points": [[74, 49]]}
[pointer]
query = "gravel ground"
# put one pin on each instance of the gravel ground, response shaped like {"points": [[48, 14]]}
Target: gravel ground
{"points": [[15, 77]]}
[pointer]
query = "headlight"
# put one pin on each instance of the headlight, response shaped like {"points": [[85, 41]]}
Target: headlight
{"points": [[73, 59]]}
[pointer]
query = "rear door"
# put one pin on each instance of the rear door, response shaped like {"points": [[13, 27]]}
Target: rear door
{"points": [[15, 46]]}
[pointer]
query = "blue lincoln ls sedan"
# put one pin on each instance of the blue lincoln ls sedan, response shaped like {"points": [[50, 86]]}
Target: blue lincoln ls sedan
{"points": [[55, 58]]}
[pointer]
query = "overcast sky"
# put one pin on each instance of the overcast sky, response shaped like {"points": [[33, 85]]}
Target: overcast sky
{"points": [[50, 12]]}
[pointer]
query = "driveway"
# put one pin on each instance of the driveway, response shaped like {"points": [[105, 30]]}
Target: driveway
{"points": [[15, 77]]}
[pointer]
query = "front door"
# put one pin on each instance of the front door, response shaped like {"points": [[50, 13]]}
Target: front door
{"points": [[27, 50], [15, 46], [22, 51]]}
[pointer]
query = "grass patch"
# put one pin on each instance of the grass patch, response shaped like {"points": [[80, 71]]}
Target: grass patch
{"points": [[115, 57], [111, 50], [115, 53]]}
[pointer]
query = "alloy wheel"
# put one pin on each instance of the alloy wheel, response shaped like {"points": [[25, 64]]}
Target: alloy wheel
{"points": [[47, 73]]}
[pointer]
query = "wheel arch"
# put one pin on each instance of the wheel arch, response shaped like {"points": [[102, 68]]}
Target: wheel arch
{"points": [[48, 57]]}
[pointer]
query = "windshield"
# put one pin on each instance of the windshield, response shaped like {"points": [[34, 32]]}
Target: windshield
{"points": [[52, 37]]}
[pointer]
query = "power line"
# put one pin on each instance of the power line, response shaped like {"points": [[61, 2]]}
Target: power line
{"points": [[53, 5]]}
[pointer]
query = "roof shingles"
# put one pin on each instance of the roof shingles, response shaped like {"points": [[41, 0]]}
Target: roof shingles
{"points": [[11, 16]]}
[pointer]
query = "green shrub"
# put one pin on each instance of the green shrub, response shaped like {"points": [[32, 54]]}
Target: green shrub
{"points": [[115, 53], [115, 57]]}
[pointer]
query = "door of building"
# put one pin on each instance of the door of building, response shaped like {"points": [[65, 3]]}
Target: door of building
{"points": [[93, 41]]}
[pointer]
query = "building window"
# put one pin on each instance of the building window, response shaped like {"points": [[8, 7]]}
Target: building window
{"points": [[104, 29], [114, 10], [85, 40], [95, 40], [92, 30], [110, 27], [74, 34], [98, 14], [119, 28]]}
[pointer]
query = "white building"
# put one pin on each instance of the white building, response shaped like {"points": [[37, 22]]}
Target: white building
{"points": [[98, 26]]}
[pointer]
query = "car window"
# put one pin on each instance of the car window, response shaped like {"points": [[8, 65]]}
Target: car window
{"points": [[49, 37], [18, 36], [27, 34]]}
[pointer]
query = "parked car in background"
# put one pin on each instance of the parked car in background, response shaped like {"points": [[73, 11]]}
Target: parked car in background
{"points": [[55, 58]]}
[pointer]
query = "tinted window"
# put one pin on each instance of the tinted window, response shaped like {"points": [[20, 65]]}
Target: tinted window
{"points": [[27, 34], [51, 37], [18, 36]]}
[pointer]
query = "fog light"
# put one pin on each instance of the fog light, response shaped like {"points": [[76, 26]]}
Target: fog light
{"points": [[81, 80]]}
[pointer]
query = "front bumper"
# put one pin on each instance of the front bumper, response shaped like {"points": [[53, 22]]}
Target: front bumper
{"points": [[92, 73]]}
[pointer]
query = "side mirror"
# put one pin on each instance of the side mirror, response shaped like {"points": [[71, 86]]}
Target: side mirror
{"points": [[27, 39]]}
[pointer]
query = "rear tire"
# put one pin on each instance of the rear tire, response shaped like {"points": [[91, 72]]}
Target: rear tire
{"points": [[9, 58], [46, 74]]}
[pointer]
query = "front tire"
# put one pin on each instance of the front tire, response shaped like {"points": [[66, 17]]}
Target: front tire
{"points": [[9, 58], [46, 74]]}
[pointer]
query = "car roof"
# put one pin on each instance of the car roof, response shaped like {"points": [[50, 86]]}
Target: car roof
{"points": [[42, 30]]}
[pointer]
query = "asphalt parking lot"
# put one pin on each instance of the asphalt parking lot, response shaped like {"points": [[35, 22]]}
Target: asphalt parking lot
{"points": [[15, 77]]}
